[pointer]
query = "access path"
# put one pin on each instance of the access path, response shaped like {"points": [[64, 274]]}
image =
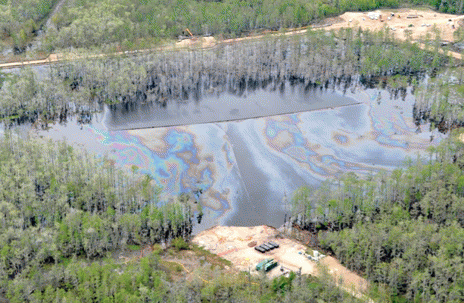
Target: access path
{"points": [[419, 23]]}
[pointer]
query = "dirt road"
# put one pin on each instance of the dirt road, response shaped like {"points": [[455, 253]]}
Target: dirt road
{"points": [[404, 23], [204, 42]]}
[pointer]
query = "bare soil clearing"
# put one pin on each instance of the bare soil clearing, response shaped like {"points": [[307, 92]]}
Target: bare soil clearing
{"points": [[203, 42], [403, 23], [419, 23], [231, 243]]}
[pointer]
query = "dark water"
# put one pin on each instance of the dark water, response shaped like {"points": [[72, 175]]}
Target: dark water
{"points": [[248, 169], [225, 107]]}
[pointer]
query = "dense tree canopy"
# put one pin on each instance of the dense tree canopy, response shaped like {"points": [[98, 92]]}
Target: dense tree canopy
{"points": [[63, 211], [402, 228], [56, 202], [128, 23], [146, 280], [20, 19]]}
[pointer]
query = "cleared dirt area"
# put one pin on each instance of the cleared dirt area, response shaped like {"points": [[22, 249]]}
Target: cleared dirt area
{"points": [[202, 42], [401, 21], [417, 22], [236, 244]]}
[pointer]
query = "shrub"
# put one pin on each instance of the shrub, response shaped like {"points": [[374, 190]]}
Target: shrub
{"points": [[179, 244]]}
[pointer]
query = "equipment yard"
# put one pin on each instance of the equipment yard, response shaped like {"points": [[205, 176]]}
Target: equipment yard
{"points": [[401, 21], [237, 244]]}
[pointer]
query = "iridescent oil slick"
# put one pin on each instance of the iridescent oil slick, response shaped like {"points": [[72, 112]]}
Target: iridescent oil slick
{"points": [[248, 169]]}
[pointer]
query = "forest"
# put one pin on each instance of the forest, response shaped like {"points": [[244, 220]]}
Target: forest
{"points": [[137, 24], [148, 280], [401, 228], [316, 60], [64, 213], [57, 202], [21, 20]]}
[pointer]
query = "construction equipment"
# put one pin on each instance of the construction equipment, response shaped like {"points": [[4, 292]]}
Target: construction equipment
{"points": [[270, 265], [261, 264], [266, 247], [274, 244], [314, 256], [185, 36], [188, 31], [266, 264]]}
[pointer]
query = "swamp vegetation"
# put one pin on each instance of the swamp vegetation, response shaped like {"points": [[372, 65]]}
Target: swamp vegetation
{"points": [[403, 228], [317, 60], [57, 202], [64, 212], [149, 280]]}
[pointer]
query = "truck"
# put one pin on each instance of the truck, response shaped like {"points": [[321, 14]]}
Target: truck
{"points": [[266, 264]]}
